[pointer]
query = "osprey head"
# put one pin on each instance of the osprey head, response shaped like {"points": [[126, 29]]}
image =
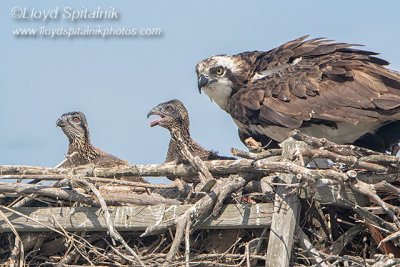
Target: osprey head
{"points": [[74, 126], [173, 114], [218, 76]]}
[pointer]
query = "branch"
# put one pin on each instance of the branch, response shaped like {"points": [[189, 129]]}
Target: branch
{"points": [[257, 156], [72, 195], [352, 161], [195, 161], [369, 191], [60, 177], [216, 167], [196, 213], [348, 150], [111, 229], [57, 193], [306, 244]]}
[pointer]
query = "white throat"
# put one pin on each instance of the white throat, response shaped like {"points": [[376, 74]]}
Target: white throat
{"points": [[220, 93]]}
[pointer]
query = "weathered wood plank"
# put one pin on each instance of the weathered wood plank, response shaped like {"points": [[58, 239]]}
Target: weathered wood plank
{"points": [[336, 195], [286, 212], [133, 218]]}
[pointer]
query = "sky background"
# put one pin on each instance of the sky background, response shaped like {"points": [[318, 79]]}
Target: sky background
{"points": [[116, 81]]}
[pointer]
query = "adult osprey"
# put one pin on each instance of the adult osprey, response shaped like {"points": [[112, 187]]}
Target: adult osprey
{"points": [[325, 89]]}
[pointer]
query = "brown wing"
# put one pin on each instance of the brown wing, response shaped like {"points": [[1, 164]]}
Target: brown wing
{"points": [[313, 80]]}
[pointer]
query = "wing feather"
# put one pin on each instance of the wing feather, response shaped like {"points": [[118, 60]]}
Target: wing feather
{"points": [[319, 80]]}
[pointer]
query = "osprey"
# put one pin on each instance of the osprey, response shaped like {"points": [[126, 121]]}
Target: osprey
{"points": [[324, 89], [175, 118]]}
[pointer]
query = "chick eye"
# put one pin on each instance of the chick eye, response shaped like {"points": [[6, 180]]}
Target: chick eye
{"points": [[219, 71], [75, 119], [169, 108]]}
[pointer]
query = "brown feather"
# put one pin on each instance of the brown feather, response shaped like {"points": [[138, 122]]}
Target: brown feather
{"points": [[304, 81]]}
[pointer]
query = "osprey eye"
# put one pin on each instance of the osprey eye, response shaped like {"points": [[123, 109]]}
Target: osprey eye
{"points": [[75, 119], [219, 71], [169, 108]]}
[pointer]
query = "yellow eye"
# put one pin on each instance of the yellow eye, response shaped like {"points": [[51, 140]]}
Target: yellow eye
{"points": [[220, 71]]}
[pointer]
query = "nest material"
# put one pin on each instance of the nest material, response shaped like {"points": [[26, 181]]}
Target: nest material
{"points": [[344, 215]]}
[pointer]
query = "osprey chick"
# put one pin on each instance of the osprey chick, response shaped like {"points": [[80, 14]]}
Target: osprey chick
{"points": [[174, 117], [324, 89], [75, 127]]}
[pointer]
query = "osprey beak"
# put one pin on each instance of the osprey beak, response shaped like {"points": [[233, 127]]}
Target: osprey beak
{"points": [[153, 111], [60, 123], [203, 80]]}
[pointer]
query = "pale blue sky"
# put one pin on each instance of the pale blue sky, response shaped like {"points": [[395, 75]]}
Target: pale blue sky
{"points": [[116, 81]]}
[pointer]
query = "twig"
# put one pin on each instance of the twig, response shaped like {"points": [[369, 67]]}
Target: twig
{"points": [[232, 184], [19, 246], [369, 216], [195, 161], [195, 213], [340, 149], [346, 238], [216, 167], [60, 177], [183, 223], [50, 191], [388, 187], [71, 239], [73, 195], [111, 229], [368, 190], [308, 247], [382, 159], [67, 158], [247, 253], [390, 237], [256, 156], [24, 201], [352, 161], [118, 252], [63, 232], [257, 249], [187, 245]]}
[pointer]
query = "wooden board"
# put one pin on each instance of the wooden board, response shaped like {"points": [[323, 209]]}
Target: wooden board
{"points": [[286, 212], [133, 218]]}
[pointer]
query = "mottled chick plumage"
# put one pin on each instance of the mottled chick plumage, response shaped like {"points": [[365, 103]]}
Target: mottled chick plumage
{"points": [[174, 117], [75, 127]]}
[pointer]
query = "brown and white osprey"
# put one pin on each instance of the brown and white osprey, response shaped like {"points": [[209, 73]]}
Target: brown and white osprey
{"points": [[75, 127], [325, 89], [174, 117]]}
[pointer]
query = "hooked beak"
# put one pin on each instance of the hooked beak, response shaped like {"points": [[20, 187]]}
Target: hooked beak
{"points": [[203, 80], [155, 111], [60, 123]]}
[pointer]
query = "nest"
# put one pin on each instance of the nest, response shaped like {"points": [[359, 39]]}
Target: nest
{"points": [[343, 212]]}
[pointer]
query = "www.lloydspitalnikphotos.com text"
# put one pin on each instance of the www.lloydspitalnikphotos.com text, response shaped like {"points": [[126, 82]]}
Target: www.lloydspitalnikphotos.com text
{"points": [[70, 14]]}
